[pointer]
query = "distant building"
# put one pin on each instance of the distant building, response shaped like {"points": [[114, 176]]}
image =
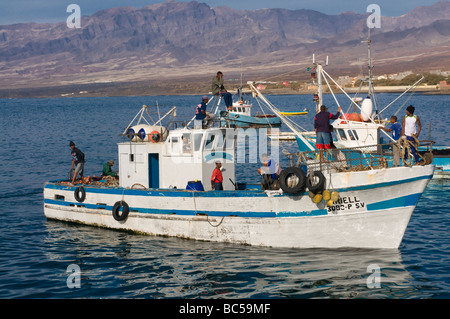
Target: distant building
{"points": [[444, 86]]}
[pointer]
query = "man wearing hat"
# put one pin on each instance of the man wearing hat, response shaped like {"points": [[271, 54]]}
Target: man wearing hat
{"points": [[217, 178], [201, 114], [77, 161], [107, 171]]}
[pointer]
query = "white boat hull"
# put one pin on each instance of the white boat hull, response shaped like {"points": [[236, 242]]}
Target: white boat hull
{"points": [[373, 212]]}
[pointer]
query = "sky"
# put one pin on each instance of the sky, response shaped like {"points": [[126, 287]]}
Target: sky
{"points": [[18, 11]]}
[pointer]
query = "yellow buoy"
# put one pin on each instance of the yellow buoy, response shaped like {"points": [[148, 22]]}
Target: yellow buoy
{"points": [[330, 203], [326, 195], [334, 196], [317, 199]]}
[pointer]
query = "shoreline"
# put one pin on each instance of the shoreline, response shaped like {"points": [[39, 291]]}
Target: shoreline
{"points": [[168, 88]]}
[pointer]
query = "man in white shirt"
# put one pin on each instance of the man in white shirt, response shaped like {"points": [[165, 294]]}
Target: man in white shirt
{"points": [[411, 128]]}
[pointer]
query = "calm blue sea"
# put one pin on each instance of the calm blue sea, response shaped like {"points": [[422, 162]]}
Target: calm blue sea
{"points": [[36, 253]]}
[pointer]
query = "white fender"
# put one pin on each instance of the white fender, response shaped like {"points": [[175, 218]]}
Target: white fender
{"points": [[366, 109]]}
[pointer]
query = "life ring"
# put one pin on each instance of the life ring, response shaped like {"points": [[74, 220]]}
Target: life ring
{"points": [[316, 182], [155, 136], [117, 214], [292, 180], [80, 194]]}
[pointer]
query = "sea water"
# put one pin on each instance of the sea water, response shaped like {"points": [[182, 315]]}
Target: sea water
{"points": [[38, 256]]}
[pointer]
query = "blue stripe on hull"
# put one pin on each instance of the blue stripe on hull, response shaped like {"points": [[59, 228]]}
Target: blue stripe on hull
{"points": [[227, 194], [409, 200]]}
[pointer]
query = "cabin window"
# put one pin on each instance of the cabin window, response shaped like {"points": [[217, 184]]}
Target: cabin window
{"points": [[175, 145], [209, 141], [187, 146], [230, 142], [342, 135], [235, 109], [220, 141], [197, 141], [352, 134]]}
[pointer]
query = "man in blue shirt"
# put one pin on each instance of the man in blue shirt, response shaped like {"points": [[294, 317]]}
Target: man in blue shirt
{"points": [[396, 129], [200, 113]]}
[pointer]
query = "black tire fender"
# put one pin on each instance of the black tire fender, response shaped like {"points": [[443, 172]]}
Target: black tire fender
{"points": [[79, 194], [120, 216], [285, 183], [316, 182]]}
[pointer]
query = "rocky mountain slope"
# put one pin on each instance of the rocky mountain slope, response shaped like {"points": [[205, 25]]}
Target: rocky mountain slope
{"points": [[190, 40]]}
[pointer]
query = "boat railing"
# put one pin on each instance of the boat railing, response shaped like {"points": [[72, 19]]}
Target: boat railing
{"points": [[217, 122], [353, 159]]}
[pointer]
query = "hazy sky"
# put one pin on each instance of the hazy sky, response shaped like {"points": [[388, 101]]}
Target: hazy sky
{"points": [[15, 11]]}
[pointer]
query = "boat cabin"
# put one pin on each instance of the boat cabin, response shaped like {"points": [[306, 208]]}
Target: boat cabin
{"points": [[242, 108], [181, 157], [355, 134]]}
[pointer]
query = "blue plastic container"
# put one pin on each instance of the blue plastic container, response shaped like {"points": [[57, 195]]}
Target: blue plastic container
{"points": [[195, 186]]}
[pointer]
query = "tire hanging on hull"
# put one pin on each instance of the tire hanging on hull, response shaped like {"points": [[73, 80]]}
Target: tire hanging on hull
{"points": [[80, 194], [117, 214], [292, 180], [315, 182]]}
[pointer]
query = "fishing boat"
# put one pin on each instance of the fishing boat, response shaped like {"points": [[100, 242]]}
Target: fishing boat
{"points": [[361, 127], [441, 159], [294, 113], [241, 114], [164, 189]]}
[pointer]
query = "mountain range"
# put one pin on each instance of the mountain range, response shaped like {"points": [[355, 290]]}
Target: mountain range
{"points": [[187, 41]]}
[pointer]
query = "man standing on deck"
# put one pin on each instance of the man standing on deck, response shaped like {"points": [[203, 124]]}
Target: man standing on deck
{"points": [[77, 162], [217, 178], [322, 128], [409, 129], [396, 130], [218, 88]]}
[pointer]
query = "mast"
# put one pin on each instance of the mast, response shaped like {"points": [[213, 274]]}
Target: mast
{"points": [[369, 61], [320, 89], [319, 70]]}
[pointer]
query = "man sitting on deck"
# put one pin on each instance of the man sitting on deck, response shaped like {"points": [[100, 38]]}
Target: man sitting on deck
{"points": [[201, 114], [218, 88], [107, 171], [270, 172]]}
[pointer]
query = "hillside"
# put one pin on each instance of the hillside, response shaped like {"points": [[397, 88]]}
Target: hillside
{"points": [[190, 41]]}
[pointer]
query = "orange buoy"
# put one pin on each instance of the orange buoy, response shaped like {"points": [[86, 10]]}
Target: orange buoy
{"points": [[354, 117], [155, 137]]}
